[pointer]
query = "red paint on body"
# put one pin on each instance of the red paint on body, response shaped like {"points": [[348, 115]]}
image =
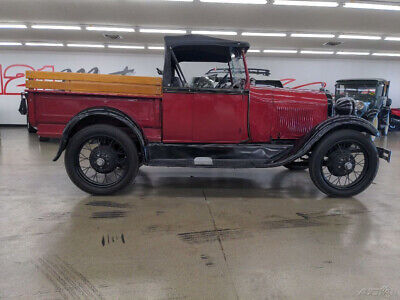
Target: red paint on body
{"points": [[262, 115], [51, 111]]}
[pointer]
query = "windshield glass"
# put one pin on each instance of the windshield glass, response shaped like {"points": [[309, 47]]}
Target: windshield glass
{"points": [[213, 75], [237, 69], [365, 92]]}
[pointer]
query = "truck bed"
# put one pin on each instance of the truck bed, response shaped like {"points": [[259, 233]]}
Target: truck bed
{"points": [[50, 111], [53, 98]]}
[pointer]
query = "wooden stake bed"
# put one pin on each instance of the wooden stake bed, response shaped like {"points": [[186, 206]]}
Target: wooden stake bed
{"points": [[94, 83]]}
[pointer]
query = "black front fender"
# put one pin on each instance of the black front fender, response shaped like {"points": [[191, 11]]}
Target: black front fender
{"points": [[100, 112], [304, 145]]}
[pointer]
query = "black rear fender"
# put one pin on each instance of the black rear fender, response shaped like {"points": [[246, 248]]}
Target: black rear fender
{"points": [[101, 115]]}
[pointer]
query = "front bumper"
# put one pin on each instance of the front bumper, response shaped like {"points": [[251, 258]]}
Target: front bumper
{"points": [[384, 153]]}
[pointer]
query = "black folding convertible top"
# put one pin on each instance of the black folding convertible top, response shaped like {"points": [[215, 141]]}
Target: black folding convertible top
{"points": [[199, 48], [202, 48]]}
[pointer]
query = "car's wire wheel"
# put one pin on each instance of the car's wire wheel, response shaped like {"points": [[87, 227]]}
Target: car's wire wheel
{"points": [[102, 161], [344, 165]]}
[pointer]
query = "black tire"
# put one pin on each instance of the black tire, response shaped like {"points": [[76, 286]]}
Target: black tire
{"points": [[119, 138], [320, 159]]}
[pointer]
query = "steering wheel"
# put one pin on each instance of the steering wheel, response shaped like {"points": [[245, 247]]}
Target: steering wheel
{"points": [[222, 83], [204, 82]]}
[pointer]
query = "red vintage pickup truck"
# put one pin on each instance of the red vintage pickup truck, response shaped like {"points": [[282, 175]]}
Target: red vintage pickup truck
{"points": [[189, 120]]}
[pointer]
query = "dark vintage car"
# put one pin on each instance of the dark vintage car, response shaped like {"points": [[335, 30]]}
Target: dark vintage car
{"points": [[177, 123], [370, 99]]}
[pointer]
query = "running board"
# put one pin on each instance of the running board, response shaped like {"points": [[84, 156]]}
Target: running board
{"points": [[215, 155]]}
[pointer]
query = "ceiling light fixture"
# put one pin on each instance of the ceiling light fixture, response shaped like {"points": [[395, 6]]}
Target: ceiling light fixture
{"points": [[170, 31], [34, 44], [125, 47], [307, 3], [267, 34], [236, 1], [155, 47], [312, 35], [56, 27], [387, 54], [352, 53], [12, 26], [371, 6], [281, 51], [214, 32], [86, 45], [359, 37], [110, 29], [316, 52], [392, 38], [253, 51], [10, 44]]}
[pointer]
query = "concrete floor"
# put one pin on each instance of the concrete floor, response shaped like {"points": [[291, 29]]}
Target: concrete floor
{"points": [[193, 233]]}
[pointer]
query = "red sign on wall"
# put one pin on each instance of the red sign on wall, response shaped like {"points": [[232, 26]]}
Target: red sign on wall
{"points": [[12, 78]]}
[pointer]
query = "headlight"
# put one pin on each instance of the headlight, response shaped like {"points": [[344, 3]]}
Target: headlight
{"points": [[359, 105]]}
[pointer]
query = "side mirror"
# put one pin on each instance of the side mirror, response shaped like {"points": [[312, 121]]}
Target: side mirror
{"points": [[160, 72]]}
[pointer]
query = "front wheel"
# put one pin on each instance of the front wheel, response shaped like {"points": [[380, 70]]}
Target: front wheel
{"points": [[101, 159], [344, 163]]}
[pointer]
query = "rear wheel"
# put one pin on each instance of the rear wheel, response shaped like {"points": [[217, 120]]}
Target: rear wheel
{"points": [[101, 159], [344, 163]]}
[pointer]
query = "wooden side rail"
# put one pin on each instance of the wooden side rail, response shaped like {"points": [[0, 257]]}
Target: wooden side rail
{"points": [[94, 83]]}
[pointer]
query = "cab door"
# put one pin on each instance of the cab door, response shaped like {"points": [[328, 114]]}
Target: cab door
{"points": [[220, 117], [177, 116], [204, 116]]}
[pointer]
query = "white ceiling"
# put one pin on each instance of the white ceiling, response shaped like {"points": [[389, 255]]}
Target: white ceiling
{"points": [[202, 16]]}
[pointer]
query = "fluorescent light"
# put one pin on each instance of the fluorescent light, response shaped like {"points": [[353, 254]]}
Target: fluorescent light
{"points": [[86, 45], [281, 51], [13, 26], [179, 0], [359, 37], [214, 32], [387, 54], [236, 1], [34, 44], [312, 35], [177, 31], [306, 3], [392, 38], [316, 52], [125, 47], [253, 51], [351, 53], [155, 47], [10, 44], [371, 6], [56, 27], [112, 29], [271, 34]]}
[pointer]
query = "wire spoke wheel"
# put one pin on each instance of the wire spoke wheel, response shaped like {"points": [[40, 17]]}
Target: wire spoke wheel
{"points": [[101, 161], [344, 164]]}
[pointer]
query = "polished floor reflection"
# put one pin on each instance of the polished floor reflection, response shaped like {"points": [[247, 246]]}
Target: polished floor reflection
{"points": [[192, 233]]}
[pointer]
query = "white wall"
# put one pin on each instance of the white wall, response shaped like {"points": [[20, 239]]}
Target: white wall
{"points": [[302, 69]]}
